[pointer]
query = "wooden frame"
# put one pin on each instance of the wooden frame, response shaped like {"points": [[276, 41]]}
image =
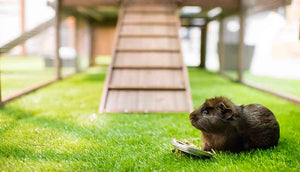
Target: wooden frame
{"points": [[152, 50], [241, 44], [221, 50], [110, 68], [185, 72], [91, 43], [57, 39], [76, 44], [149, 67], [27, 35], [203, 46], [111, 87], [22, 4], [288, 97], [29, 90]]}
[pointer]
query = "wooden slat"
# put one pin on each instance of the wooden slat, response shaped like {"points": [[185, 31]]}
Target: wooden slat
{"points": [[150, 8], [149, 12], [134, 101], [147, 73], [184, 71], [149, 67], [27, 35], [147, 51], [148, 30], [147, 78], [148, 44], [158, 88], [108, 75], [168, 23], [147, 36], [160, 59], [149, 18]]}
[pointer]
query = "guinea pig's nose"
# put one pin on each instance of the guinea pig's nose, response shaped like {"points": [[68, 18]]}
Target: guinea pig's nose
{"points": [[194, 115]]}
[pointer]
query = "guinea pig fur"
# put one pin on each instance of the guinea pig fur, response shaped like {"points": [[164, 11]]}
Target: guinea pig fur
{"points": [[226, 126]]}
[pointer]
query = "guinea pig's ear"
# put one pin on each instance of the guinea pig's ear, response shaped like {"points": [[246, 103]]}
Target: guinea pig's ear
{"points": [[222, 106], [227, 114]]}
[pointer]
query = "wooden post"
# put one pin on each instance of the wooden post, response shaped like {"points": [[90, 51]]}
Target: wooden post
{"points": [[241, 44], [0, 86], [203, 46], [91, 45], [57, 39], [76, 44], [22, 4], [221, 50]]}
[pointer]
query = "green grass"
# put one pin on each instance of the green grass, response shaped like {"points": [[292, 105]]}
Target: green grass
{"points": [[58, 128], [19, 72], [278, 84], [287, 86]]}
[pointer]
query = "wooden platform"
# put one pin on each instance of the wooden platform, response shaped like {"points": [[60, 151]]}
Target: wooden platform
{"points": [[147, 73]]}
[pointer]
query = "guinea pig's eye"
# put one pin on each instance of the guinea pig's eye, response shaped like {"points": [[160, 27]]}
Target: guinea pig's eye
{"points": [[205, 112]]}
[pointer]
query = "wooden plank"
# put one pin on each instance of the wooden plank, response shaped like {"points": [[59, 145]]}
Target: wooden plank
{"points": [[57, 25], [203, 46], [147, 36], [150, 8], [76, 44], [149, 18], [147, 78], [90, 46], [90, 3], [147, 73], [149, 67], [221, 49], [22, 4], [122, 50], [184, 70], [157, 88], [149, 12], [27, 35], [148, 44], [241, 46], [159, 59], [146, 101], [210, 4], [168, 23], [148, 30], [108, 75]]}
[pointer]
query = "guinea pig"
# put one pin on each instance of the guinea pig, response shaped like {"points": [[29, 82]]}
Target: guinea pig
{"points": [[226, 126]]}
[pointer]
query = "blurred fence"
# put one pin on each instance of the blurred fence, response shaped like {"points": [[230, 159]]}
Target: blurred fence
{"points": [[42, 52], [270, 55], [260, 50]]}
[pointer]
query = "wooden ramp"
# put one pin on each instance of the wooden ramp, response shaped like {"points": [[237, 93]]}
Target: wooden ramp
{"points": [[147, 73]]}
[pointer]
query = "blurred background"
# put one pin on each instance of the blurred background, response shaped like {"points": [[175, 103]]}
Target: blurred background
{"points": [[271, 56]]}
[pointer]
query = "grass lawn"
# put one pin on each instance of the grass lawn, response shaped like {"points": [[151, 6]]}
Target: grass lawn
{"points": [[19, 73], [287, 86], [58, 128]]}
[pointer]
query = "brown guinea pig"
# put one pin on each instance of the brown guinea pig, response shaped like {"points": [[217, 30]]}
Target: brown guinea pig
{"points": [[226, 126]]}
